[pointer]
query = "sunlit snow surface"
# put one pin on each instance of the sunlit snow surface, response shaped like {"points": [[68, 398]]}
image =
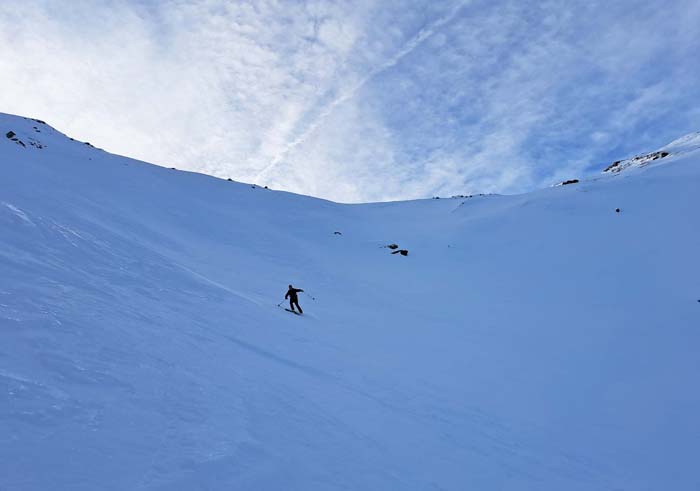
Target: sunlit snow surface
{"points": [[533, 342]]}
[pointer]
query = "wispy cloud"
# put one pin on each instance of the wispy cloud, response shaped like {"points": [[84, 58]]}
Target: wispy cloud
{"points": [[412, 43], [362, 100]]}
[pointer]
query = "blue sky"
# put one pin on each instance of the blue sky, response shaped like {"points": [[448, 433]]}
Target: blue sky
{"points": [[365, 100]]}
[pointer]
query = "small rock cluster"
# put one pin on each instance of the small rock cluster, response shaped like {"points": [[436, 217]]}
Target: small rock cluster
{"points": [[464, 196], [395, 249], [12, 136], [639, 160]]}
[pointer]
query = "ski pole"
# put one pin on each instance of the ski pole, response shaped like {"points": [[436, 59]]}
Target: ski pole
{"points": [[309, 295]]}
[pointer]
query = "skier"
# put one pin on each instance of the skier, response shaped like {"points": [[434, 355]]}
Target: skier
{"points": [[293, 299]]}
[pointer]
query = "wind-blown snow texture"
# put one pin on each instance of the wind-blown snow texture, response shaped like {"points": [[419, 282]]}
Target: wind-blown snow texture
{"points": [[533, 342]]}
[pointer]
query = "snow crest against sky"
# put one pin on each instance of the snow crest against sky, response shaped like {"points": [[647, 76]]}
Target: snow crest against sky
{"points": [[362, 100]]}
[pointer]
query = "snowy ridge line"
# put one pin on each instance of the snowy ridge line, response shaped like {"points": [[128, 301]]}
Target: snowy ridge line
{"points": [[687, 144]]}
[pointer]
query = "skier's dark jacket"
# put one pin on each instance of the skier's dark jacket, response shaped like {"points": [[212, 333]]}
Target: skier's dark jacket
{"points": [[292, 294]]}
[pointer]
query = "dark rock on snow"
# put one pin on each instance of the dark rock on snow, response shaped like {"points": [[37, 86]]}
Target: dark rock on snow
{"points": [[639, 160]]}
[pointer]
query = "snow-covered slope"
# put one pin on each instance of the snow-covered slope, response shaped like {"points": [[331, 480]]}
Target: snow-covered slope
{"points": [[686, 144], [533, 342]]}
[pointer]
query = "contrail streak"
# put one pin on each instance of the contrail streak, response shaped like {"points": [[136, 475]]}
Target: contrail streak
{"points": [[412, 44]]}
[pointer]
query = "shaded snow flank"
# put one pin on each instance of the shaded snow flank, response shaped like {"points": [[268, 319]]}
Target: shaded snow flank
{"points": [[533, 342]]}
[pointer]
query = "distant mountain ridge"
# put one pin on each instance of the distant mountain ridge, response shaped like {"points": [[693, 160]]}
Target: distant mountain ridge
{"points": [[37, 134]]}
